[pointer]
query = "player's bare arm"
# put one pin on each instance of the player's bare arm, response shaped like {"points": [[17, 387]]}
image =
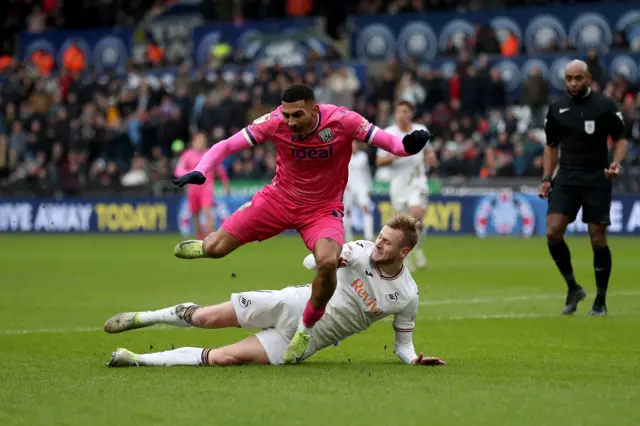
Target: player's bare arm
{"points": [[619, 154], [550, 162]]}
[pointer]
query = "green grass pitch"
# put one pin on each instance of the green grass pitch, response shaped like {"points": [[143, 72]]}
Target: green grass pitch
{"points": [[490, 308]]}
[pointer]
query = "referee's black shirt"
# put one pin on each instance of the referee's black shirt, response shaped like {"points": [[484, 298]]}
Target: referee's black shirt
{"points": [[580, 127]]}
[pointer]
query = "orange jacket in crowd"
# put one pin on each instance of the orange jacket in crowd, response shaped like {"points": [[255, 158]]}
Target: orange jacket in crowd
{"points": [[154, 53], [74, 59], [44, 61], [5, 61], [510, 46]]}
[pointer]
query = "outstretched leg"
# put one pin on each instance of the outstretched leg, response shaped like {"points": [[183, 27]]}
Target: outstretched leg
{"points": [[182, 315], [247, 351], [257, 220]]}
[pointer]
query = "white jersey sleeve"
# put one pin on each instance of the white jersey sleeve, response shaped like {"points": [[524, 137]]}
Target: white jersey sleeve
{"points": [[405, 321], [403, 325], [359, 173]]}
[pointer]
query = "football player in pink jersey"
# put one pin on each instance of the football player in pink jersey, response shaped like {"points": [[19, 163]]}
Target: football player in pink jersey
{"points": [[313, 148], [200, 198]]}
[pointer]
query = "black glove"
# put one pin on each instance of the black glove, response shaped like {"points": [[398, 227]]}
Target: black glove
{"points": [[195, 178], [415, 141]]}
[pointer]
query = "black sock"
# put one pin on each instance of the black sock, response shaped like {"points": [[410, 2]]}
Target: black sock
{"points": [[562, 256], [602, 269]]}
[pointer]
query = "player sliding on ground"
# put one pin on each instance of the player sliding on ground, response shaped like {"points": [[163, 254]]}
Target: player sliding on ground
{"points": [[313, 149], [372, 284]]}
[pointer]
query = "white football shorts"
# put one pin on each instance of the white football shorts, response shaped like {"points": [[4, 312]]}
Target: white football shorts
{"points": [[277, 313], [410, 197]]}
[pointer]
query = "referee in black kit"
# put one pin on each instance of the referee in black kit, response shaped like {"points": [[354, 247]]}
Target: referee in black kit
{"points": [[579, 125]]}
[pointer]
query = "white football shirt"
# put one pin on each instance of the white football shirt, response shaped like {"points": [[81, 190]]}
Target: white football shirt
{"points": [[362, 297], [407, 173], [359, 173]]}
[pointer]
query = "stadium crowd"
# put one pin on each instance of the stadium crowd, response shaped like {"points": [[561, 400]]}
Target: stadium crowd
{"points": [[70, 130]]}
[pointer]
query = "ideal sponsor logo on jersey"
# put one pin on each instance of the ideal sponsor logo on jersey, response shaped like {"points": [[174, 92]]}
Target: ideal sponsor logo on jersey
{"points": [[311, 152], [367, 299]]}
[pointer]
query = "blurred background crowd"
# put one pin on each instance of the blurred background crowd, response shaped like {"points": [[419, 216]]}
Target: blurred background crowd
{"points": [[68, 127]]}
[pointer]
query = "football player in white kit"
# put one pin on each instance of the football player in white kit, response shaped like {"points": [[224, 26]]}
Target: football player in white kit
{"points": [[357, 193], [408, 190], [372, 284]]}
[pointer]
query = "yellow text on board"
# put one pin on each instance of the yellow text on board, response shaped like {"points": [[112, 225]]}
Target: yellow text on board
{"points": [[125, 217], [439, 216]]}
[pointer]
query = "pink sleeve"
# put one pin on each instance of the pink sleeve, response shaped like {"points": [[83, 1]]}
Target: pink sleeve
{"points": [[363, 131], [388, 142], [262, 129], [222, 174], [181, 167], [220, 151]]}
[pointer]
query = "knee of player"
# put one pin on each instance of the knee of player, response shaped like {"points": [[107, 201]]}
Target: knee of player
{"points": [[598, 241], [327, 262], [554, 234]]}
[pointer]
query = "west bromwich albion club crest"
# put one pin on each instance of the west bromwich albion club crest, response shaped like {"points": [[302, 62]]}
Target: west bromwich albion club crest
{"points": [[589, 126], [326, 135]]}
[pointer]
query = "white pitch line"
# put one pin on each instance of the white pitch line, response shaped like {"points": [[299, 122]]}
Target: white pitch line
{"points": [[525, 298], [496, 300], [517, 316], [50, 330]]}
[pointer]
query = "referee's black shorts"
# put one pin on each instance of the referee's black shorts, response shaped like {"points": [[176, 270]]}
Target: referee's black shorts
{"points": [[595, 202]]}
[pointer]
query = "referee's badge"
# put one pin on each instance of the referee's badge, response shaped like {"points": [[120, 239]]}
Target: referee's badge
{"points": [[589, 126]]}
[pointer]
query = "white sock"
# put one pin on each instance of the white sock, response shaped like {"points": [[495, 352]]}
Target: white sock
{"points": [[367, 224], [348, 231], [180, 356], [302, 327], [164, 316]]}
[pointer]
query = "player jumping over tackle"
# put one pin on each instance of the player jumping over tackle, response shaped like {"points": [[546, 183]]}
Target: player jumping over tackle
{"points": [[372, 284], [313, 149]]}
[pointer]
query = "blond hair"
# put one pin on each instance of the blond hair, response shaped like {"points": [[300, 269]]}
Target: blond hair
{"points": [[409, 226]]}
